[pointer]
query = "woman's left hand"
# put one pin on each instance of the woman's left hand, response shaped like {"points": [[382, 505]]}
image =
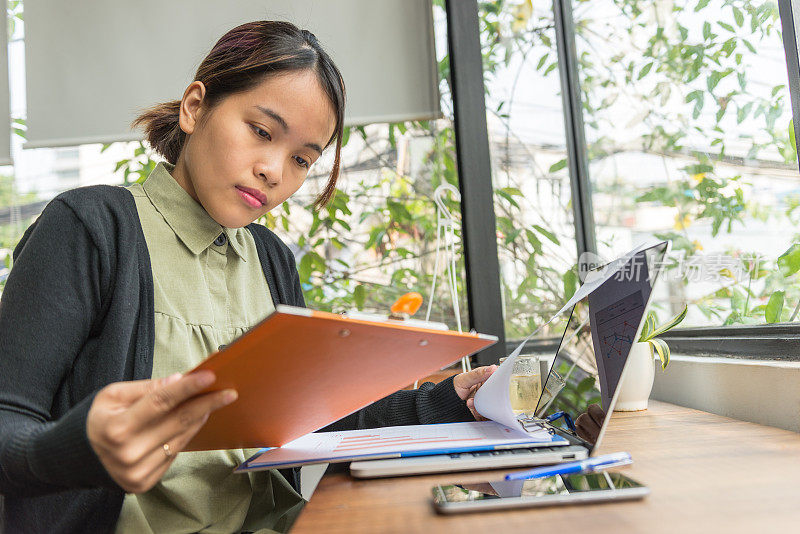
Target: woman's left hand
{"points": [[467, 384]]}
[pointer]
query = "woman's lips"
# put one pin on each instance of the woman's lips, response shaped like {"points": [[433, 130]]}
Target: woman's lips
{"points": [[252, 197]]}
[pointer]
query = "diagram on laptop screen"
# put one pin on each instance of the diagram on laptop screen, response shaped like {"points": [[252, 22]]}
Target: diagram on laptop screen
{"points": [[617, 325], [614, 327]]}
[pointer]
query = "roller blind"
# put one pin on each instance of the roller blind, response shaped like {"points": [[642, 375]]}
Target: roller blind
{"points": [[92, 65]]}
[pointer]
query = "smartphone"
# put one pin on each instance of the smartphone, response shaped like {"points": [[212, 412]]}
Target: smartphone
{"points": [[545, 491]]}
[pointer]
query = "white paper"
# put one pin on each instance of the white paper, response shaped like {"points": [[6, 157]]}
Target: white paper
{"points": [[492, 399], [323, 447], [595, 279]]}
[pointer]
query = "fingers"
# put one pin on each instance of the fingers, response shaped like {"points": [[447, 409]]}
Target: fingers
{"points": [[473, 411], [164, 395], [465, 381], [587, 428], [152, 467], [597, 414], [471, 403], [180, 426], [129, 392], [129, 438]]}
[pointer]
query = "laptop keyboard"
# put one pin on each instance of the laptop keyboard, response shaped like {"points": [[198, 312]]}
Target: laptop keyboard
{"points": [[467, 461], [505, 452]]}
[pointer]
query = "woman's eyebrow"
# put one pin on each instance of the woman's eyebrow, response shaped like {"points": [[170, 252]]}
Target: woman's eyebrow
{"points": [[280, 120], [275, 116]]}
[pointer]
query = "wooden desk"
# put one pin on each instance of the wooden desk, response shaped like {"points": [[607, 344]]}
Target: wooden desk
{"points": [[707, 473]]}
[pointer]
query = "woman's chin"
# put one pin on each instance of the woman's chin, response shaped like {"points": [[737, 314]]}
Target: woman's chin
{"points": [[237, 219]]}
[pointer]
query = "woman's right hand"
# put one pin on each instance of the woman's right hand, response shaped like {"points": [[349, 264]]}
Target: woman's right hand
{"points": [[137, 428]]}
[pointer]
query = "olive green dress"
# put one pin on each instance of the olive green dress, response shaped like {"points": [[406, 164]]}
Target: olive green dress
{"points": [[209, 289]]}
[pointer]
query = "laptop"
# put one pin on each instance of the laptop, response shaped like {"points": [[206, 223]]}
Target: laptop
{"points": [[583, 380]]}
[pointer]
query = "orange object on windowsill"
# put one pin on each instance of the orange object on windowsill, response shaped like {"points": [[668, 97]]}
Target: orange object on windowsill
{"points": [[406, 306]]}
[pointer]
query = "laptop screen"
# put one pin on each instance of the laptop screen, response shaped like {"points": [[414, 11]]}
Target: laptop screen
{"points": [[585, 375]]}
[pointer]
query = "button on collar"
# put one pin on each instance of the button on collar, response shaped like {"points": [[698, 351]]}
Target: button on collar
{"points": [[221, 240]]}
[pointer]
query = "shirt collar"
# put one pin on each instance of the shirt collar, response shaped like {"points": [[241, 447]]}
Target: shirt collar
{"points": [[187, 217]]}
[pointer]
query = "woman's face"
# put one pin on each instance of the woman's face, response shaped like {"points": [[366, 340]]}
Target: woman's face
{"points": [[253, 149]]}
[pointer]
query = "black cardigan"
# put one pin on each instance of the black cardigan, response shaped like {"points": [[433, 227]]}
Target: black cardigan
{"points": [[77, 314]]}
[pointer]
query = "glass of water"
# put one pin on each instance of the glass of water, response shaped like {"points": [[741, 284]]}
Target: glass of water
{"points": [[525, 385]]}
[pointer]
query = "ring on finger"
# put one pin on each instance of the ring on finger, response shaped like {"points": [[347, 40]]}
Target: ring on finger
{"points": [[167, 451]]}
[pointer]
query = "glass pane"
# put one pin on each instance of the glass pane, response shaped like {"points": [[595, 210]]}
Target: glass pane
{"points": [[377, 239], [535, 232], [688, 127]]}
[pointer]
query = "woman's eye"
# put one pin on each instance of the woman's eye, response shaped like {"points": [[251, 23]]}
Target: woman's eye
{"points": [[303, 163], [262, 133]]}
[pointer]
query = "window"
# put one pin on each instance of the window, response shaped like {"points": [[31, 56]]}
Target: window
{"points": [[689, 138]]}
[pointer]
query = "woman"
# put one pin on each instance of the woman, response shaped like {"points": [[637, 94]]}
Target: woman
{"points": [[116, 291]]}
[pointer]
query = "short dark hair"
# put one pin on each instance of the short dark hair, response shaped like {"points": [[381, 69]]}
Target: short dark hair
{"points": [[240, 60]]}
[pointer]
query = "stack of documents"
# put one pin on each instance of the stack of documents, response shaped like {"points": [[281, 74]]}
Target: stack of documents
{"points": [[502, 432], [397, 442]]}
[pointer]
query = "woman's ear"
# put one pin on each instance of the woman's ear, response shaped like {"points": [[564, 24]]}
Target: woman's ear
{"points": [[190, 106]]}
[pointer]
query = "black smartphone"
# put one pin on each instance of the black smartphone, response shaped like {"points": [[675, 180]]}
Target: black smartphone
{"points": [[546, 491]]}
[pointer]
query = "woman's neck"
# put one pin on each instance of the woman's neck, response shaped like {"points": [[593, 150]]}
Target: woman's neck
{"points": [[181, 175]]}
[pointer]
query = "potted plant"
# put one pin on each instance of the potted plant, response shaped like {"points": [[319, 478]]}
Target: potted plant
{"points": [[637, 382]]}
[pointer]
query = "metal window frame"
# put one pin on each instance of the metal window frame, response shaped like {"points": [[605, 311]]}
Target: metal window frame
{"points": [[762, 342], [478, 227], [773, 342], [577, 159], [787, 10]]}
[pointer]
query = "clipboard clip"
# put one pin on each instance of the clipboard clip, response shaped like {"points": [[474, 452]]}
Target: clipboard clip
{"points": [[547, 422]]}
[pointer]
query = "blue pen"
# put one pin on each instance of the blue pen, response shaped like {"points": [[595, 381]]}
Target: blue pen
{"points": [[597, 463]]}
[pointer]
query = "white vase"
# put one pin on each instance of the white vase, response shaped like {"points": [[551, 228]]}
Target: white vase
{"points": [[638, 380]]}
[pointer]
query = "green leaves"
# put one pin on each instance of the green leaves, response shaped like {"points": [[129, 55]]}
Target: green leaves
{"points": [[700, 5], [310, 262], [648, 327], [698, 97], [508, 193], [738, 16], [662, 349], [359, 296], [547, 233], [650, 330], [727, 26], [557, 166], [138, 167], [671, 323], [714, 78], [585, 385], [743, 112], [19, 127], [570, 281], [772, 312], [789, 261]]}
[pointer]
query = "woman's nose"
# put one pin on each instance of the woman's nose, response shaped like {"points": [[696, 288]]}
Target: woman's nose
{"points": [[271, 171]]}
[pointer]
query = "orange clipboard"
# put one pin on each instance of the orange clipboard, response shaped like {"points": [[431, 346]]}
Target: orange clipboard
{"points": [[300, 370]]}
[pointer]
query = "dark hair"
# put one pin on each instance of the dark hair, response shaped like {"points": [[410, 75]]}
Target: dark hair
{"points": [[240, 60]]}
